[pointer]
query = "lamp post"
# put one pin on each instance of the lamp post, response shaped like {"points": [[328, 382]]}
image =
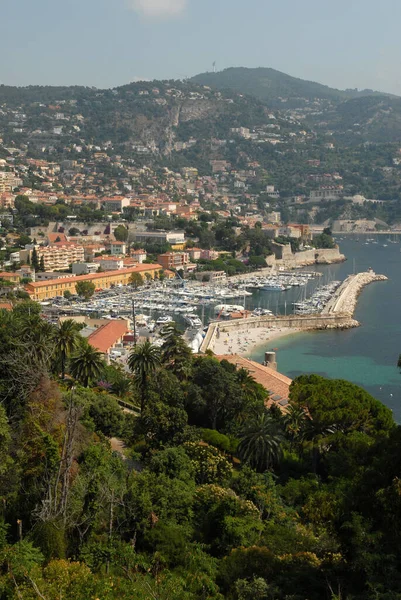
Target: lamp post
{"points": [[134, 321]]}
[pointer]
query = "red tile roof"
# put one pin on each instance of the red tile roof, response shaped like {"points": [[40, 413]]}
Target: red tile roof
{"points": [[6, 306], [275, 383], [107, 335], [52, 237]]}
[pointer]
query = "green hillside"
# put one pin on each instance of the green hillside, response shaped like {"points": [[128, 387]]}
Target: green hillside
{"points": [[271, 85]]}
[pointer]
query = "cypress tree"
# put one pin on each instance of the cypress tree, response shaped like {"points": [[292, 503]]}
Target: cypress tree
{"points": [[35, 260]]}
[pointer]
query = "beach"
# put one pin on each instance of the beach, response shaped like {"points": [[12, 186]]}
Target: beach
{"points": [[244, 342]]}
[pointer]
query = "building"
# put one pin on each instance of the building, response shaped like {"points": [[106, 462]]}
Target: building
{"points": [[90, 251], [211, 276], [209, 254], [118, 248], [274, 217], [109, 263], [105, 337], [194, 253], [50, 275], [243, 132], [329, 192], [49, 289], [9, 181], [173, 260], [138, 255], [59, 256], [271, 192], [83, 268], [159, 237], [10, 277], [115, 204], [289, 231]]}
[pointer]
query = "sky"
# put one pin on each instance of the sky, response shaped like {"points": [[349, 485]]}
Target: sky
{"points": [[106, 43]]}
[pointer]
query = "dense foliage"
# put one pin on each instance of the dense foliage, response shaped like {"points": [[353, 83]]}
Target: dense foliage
{"points": [[203, 493]]}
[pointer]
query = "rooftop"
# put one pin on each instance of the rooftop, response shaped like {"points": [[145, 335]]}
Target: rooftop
{"points": [[107, 335]]}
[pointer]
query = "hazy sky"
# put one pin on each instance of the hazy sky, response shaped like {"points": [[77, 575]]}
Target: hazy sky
{"points": [[105, 43]]}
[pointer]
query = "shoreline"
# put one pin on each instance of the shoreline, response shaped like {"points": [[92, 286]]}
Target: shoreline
{"points": [[244, 343]]}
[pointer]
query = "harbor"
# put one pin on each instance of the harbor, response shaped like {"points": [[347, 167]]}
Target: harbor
{"points": [[241, 336]]}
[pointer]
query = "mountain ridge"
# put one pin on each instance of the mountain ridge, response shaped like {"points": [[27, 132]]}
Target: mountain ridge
{"points": [[270, 84]]}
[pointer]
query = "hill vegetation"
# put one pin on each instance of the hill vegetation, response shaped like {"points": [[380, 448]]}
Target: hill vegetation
{"points": [[274, 86], [204, 493]]}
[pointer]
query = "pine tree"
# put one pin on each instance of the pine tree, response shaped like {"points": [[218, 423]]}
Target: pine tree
{"points": [[42, 267]]}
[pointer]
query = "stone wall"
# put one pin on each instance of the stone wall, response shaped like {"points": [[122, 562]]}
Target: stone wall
{"points": [[282, 251], [323, 256]]}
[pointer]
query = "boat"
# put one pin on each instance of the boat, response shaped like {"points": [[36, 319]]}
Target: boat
{"points": [[193, 321], [228, 308], [273, 287], [164, 320]]}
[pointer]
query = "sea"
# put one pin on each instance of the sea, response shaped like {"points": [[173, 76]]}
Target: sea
{"points": [[366, 355]]}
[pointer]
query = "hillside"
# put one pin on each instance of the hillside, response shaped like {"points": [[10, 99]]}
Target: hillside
{"points": [[147, 120], [275, 87], [375, 119], [352, 116]]}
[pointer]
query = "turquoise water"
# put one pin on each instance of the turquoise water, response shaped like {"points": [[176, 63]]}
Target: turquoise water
{"points": [[368, 354]]}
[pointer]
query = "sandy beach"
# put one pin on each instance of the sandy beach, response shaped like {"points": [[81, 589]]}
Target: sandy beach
{"points": [[244, 342]]}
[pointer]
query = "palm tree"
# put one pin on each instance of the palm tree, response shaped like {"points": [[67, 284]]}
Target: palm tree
{"points": [[294, 422], [260, 442], [315, 436], [86, 364], [66, 342], [40, 337], [143, 362]]}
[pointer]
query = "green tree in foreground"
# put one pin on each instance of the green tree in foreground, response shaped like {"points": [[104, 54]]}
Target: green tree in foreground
{"points": [[260, 442], [86, 289], [86, 365], [66, 342], [143, 362]]}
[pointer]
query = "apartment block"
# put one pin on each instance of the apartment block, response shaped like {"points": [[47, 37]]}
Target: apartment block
{"points": [[60, 257], [173, 260], [8, 181]]}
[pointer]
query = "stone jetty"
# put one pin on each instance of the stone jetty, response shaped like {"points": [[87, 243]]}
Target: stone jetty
{"points": [[345, 299]]}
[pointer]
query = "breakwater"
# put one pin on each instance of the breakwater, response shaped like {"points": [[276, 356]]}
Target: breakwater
{"points": [[346, 296], [338, 314]]}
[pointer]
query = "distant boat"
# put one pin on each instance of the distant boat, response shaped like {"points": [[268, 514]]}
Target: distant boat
{"points": [[273, 287]]}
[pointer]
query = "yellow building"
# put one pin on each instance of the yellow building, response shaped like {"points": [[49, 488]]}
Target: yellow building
{"points": [[42, 290]]}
